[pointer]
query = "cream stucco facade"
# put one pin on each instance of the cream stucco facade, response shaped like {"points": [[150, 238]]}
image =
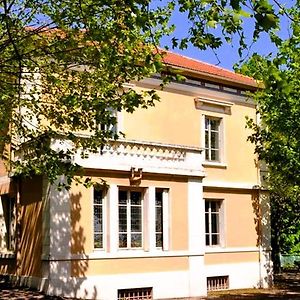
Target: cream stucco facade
{"points": [[180, 212]]}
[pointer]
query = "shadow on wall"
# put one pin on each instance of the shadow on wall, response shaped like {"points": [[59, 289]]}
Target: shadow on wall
{"points": [[262, 220], [68, 262]]}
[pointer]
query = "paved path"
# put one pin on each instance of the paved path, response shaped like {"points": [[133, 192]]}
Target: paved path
{"points": [[287, 287], [9, 292]]}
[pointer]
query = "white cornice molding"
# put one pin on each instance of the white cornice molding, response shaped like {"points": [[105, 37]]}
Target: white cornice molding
{"points": [[197, 91]]}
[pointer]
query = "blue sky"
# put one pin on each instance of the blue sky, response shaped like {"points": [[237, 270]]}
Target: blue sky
{"points": [[227, 55]]}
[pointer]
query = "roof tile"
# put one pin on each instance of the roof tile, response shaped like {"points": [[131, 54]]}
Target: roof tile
{"points": [[177, 60]]}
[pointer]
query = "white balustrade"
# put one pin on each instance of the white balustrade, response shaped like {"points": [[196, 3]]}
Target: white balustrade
{"points": [[151, 157]]}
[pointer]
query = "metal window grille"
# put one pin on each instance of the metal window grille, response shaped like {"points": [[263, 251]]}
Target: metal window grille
{"points": [[135, 294], [217, 283]]}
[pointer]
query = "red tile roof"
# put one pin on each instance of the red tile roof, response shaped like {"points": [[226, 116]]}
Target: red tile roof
{"points": [[207, 70]]}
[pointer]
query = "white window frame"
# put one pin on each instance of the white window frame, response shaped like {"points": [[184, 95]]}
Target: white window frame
{"points": [[221, 161], [209, 132], [221, 225], [104, 211], [128, 219]]}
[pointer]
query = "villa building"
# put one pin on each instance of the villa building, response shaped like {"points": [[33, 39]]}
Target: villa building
{"points": [[182, 211]]}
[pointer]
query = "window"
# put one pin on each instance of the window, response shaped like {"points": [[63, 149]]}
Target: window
{"points": [[217, 283], [135, 294], [212, 138], [108, 116], [7, 223], [98, 218], [130, 219], [159, 218], [212, 222]]}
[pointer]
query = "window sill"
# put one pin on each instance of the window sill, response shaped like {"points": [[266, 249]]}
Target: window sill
{"points": [[220, 249], [215, 164], [133, 254]]}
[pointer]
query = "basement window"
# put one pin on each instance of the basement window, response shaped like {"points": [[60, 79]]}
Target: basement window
{"points": [[135, 294], [217, 283]]}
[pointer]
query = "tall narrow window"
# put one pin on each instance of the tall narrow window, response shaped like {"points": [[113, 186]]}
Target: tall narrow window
{"points": [[98, 218], [130, 219], [212, 222], [159, 218], [212, 139], [7, 223]]}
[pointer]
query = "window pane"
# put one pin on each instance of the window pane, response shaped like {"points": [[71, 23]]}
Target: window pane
{"points": [[206, 123], [98, 222], [98, 218], [206, 139], [136, 198], [158, 198], [136, 219], [98, 240], [207, 240], [206, 154], [207, 223], [136, 240], [122, 240], [158, 218], [98, 196], [215, 239], [214, 155], [214, 124], [122, 197], [214, 206], [122, 218], [206, 206], [159, 240], [214, 223], [214, 140]]}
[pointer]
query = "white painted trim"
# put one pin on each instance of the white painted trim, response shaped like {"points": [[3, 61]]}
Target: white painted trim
{"points": [[113, 217], [196, 211], [198, 91], [215, 164], [151, 218], [126, 253], [229, 185], [60, 219], [213, 105], [166, 222], [230, 249], [155, 253], [197, 280], [214, 101]]}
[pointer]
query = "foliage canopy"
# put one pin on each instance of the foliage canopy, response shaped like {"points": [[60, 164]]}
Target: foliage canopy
{"points": [[277, 138], [64, 65]]}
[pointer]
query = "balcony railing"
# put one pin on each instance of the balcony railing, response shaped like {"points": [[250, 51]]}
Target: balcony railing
{"points": [[151, 157]]}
